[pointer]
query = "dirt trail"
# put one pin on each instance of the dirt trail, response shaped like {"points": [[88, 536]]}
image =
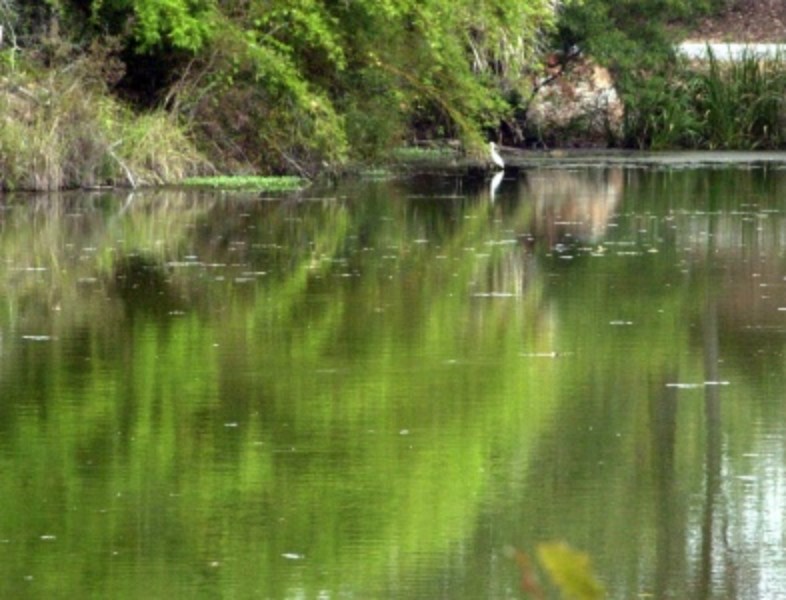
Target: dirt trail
{"points": [[746, 21]]}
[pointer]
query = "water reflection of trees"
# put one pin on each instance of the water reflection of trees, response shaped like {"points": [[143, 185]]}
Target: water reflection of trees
{"points": [[694, 264], [302, 324], [568, 426]]}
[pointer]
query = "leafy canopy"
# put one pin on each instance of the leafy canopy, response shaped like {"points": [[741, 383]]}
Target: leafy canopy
{"points": [[181, 24], [297, 83]]}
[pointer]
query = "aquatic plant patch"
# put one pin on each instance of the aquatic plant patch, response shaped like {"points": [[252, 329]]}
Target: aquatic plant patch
{"points": [[246, 182]]}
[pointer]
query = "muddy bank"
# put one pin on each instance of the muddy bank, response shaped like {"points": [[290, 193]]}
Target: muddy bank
{"points": [[687, 159]]}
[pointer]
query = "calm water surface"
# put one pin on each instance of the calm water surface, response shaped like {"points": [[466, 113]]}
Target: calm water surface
{"points": [[378, 390]]}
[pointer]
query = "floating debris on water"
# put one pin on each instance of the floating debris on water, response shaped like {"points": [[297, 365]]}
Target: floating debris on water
{"points": [[293, 556], [504, 242], [693, 386], [495, 295], [182, 264]]}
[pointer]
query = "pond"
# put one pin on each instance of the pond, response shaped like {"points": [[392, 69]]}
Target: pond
{"points": [[386, 388]]}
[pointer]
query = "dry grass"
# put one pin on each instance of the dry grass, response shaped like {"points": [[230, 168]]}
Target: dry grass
{"points": [[61, 129]]}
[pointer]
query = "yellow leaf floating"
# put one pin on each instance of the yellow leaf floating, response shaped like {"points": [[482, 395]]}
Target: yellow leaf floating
{"points": [[570, 571]]}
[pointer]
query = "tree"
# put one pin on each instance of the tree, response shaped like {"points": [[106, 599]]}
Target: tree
{"points": [[296, 84]]}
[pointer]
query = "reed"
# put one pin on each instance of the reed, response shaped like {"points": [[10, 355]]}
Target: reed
{"points": [[742, 103], [61, 129], [712, 105]]}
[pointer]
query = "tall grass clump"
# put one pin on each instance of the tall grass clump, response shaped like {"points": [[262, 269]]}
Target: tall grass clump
{"points": [[158, 150], [59, 128], [743, 102], [712, 104]]}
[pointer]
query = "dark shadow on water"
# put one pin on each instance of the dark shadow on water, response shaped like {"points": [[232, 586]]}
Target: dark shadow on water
{"points": [[143, 285]]}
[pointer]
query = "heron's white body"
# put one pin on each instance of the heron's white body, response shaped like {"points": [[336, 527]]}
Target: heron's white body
{"points": [[494, 185], [495, 157]]}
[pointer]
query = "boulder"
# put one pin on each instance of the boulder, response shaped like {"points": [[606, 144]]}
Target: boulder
{"points": [[575, 106]]}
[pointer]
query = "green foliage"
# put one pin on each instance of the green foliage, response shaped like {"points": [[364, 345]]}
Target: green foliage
{"points": [[659, 116], [245, 183], [635, 39], [742, 103], [155, 148], [669, 103], [282, 86], [627, 33], [424, 153], [735, 105], [179, 24], [311, 83], [261, 109]]}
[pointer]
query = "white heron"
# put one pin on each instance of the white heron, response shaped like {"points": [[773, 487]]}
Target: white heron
{"points": [[495, 181], [495, 157]]}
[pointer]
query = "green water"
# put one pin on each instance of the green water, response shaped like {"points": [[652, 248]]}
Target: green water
{"points": [[377, 390]]}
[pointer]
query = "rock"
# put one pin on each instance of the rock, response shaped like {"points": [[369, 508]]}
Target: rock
{"points": [[576, 107]]}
